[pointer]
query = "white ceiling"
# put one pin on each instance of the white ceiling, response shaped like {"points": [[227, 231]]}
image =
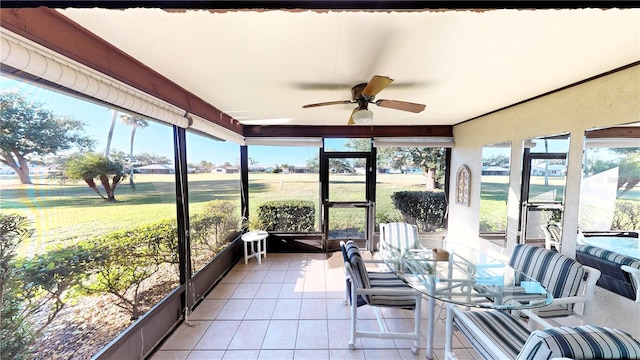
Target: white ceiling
{"points": [[260, 67]]}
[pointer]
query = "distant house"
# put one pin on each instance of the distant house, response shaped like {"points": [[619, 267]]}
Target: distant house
{"points": [[298, 169], [554, 170], [155, 169], [226, 170], [495, 170], [257, 168]]}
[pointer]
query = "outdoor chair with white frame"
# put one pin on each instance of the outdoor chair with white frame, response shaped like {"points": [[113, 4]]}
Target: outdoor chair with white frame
{"points": [[568, 281], [378, 289]]}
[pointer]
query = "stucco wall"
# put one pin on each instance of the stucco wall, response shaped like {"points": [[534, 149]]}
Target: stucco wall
{"points": [[606, 101]]}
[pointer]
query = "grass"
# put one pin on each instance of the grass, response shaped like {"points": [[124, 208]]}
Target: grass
{"points": [[64, 213]]}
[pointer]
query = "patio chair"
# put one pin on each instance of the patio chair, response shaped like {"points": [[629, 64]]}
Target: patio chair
{"points": [[496, 334], [378, 289], [568, 281], [399, 235], [552, 235]]}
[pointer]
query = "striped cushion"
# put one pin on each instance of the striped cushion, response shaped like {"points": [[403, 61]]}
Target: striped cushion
{"points": [[580, 342], [502, 329], [609, 255], [377, 280], [559, 274], [358, 266], [400, 235], [613, 278]]}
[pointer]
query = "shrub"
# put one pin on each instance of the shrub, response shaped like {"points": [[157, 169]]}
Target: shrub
{"points": [[48, 278], [15, 330], [426, 209], [626, 215], [287, 215], [211, 227], [131, 257]]}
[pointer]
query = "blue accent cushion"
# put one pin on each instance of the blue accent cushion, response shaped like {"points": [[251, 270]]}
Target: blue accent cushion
{"points": [[580, 342]]}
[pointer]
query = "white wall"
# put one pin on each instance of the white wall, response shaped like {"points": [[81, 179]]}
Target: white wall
{"points": [[606, 101]]}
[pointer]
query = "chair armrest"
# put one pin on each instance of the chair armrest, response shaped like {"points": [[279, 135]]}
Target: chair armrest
{"points": [[535, 319], [635, 278]]}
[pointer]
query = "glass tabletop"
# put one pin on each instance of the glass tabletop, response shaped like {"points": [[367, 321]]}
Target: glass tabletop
{"points": [[466, 277]]}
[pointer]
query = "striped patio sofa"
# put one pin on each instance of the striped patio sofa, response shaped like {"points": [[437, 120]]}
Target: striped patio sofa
{"points": [[496, 334], [620, 273]]}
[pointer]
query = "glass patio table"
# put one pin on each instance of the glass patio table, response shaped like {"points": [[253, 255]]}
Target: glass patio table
{"points": [[464, 277]]}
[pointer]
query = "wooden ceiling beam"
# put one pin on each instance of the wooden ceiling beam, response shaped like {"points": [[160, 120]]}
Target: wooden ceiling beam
{"points": [[347, 131]]}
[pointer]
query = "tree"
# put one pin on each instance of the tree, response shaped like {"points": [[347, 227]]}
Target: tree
{"points": [[91, 166], [31, 130], [114, 116], [135, 123], [430, 160], [629, 175], [500, 160], [148, 159]]}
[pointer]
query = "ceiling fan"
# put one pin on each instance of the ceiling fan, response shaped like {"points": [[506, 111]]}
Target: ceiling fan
{"points": [[364, 94]]}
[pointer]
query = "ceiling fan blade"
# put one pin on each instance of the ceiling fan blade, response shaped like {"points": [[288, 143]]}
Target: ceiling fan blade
{"points": [[401, 105], [338, 102], [351, 122], [376, 84]]}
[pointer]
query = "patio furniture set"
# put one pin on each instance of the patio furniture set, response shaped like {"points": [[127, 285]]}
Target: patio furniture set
{"points": [[501, 308]]}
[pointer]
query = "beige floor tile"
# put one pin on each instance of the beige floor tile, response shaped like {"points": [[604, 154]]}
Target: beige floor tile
{"points": [[171, 355], [255, 276], [218, 335], [208, 309], [292, 290], [185, 337], [281, 334], [312, 308], [241, 354], [382, 354], [304, 354], [246, 291], [234, 309], [234, 276], [276, 354], [275, 276], [250, 335], [260, 309], [206, 355], [223, 291], [312, 334], [287, 309], [294, 276], [338, 354], [268, 291]]}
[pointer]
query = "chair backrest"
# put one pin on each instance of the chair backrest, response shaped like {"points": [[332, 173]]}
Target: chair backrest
{"points": [[580, 342], [558, 273], [358, 267], [556, 233], [613, 278], [399, 235]]}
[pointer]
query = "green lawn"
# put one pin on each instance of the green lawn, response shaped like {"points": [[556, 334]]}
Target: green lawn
{"points": [[62, 213]]}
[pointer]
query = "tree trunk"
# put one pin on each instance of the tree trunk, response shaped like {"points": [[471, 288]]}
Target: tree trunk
{"points": [[92, 184], [21, 167], [133, 135], [430, 175], [104, 179], [110, 136]]}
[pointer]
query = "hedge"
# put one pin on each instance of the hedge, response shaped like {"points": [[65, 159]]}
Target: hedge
{"points": [[287, 215], [423, 208]]}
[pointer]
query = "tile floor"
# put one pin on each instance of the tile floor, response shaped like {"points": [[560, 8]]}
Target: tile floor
{"points": [[291, 307]]}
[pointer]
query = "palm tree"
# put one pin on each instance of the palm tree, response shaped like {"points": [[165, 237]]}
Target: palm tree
{"points": [[135, 122]]}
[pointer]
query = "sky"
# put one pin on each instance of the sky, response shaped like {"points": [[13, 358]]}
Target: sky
{"points": [[157, 138]]}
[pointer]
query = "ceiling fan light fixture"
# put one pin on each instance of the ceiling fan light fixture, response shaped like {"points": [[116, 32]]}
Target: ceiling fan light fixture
{"points": [[362, 117]]}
